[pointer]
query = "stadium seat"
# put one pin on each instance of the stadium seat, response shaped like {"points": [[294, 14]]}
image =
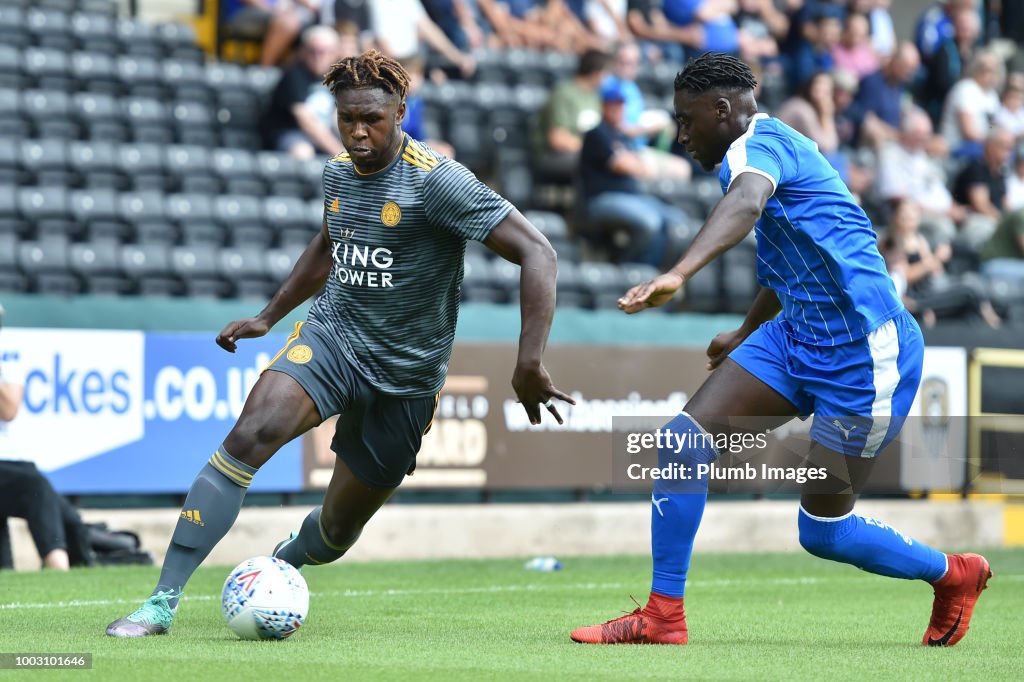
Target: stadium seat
{"points": [[225, 76], [197, 268], [245, 269], [288, 214], [10, 67], [141, 76], [237, 171], [96, 164], [262, 79], [186, 80], [64, 6], [10, 217], [11, 172], [49, 27], [739, 276], [47, 160], [242, 218], [105, 7], [47, 68], [46, 264], [12, 27], [279, 262], [98, 265], [95, 72], [50, 112], [11, 281], [702, 292], [138, 38], [146, 213], [147, 118], [282, 174], [95, 33], [602, 278], [190, 166], [101, 116], [149, 267], [48, 210], [97, 212], [143, 164], [194, 124]]}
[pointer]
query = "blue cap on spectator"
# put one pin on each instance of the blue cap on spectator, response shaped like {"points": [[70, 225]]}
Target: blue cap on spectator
{"points": [[613, 92]]}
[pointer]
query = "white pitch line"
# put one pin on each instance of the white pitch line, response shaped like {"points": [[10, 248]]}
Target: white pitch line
{"points": [[529, 587]]}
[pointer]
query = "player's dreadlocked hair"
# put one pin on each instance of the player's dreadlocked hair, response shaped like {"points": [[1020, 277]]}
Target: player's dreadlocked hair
{"points": [[371, 69], [715, 70]]}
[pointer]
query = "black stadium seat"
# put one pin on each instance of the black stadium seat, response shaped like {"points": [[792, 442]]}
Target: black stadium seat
{"points": [[242, 218], [96, 164], [46, 264], [194, 124], [101, 116], [95, 33], [245, 269], [99, 267], [149, 267], [145, 212], [47, 68], [97, 212], [143, 164], [138, 38], [10, 67], [95, 72], [238, 172], [47, 160], [147, 117], [50, 28], [190, 166], [197, 267], [11, 281], [50, 113], [12, 27]]}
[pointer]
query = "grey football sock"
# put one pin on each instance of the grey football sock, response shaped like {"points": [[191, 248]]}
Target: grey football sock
{"points": [[312, 546], [210, 510]]}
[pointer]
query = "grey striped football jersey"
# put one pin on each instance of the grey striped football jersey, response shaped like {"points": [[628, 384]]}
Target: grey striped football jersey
{"points": [[398, 238]]}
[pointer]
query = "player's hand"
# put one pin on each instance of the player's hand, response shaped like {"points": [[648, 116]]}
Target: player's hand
{"points": [[656, 292], [534, 389], [249, 328], [722, 345]]}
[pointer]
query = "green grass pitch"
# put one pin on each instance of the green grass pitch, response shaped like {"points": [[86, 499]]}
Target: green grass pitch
{"points": [[751, 617]]}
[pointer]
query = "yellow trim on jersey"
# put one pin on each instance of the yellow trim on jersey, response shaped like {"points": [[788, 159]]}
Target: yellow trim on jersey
{"points": [[418, 156], [437, 397], [292, 338], [240, 477], [344, 157], [415, 162]]}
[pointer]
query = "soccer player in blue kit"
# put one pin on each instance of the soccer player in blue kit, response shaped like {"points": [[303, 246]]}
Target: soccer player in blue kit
{"points": [[827, 335], [375, 346]]}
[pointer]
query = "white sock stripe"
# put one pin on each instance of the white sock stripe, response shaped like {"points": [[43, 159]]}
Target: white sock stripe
{"points": [[825, 519]]}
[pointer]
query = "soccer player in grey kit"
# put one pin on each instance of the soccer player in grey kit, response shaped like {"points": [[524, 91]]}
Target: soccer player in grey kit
{"points": [[376, 344]]}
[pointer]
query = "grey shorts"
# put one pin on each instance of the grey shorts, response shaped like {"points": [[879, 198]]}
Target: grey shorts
{"points": [[378, 435]]}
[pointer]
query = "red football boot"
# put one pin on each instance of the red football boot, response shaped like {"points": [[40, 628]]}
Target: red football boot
{"points": [[662, 621], [956, 593]]}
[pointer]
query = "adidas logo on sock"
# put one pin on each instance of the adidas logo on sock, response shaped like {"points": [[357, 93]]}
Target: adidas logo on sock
{"points": [[192, 516]]}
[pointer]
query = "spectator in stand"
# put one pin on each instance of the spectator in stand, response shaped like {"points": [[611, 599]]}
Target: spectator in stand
{"points": [[930, 292], [981, 186], [883, 33], [908, 172], [413, 121], [607, 20], [813, 51], [854, 52], [879, 102], [301, 117], [812, 112], [1010, 114], [947, 64], [457, 19], [659, 38], [611, 172], [516, 23], [1015, 182], [573, 108], [971, 106], [399, 26], [279, 22], [1003, 255], [641, 123], [761, 26], [936, 25], [714, 17]]}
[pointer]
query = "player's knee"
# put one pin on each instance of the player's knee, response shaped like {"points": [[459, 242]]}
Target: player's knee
{"points": [[685, 441]]}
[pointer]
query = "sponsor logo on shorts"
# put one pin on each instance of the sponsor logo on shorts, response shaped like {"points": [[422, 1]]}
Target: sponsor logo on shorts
{"points": [[300, 354], [391, 214]]}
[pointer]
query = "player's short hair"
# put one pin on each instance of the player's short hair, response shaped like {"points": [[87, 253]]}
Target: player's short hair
{"points": [[371, 69], [714, 70]]}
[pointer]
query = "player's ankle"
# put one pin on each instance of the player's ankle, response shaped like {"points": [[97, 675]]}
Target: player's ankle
{"points": [[665, 608]]}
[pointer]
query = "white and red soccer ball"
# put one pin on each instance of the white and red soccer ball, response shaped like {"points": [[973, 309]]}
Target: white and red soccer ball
{"points": [[265, 598]]}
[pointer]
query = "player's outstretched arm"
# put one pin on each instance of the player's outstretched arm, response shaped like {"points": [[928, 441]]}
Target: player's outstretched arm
{"points": [[307, 277], [517, 241], [730, 221]]}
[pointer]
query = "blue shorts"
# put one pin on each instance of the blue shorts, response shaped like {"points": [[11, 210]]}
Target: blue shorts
{"points": [[859, 393]]}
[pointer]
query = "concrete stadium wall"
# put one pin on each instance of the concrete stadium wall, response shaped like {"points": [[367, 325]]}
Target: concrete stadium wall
{"points": [[523, 530]]}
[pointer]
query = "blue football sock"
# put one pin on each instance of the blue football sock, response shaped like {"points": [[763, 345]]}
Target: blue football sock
{"points": [[870, 545], [677, 506]]}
